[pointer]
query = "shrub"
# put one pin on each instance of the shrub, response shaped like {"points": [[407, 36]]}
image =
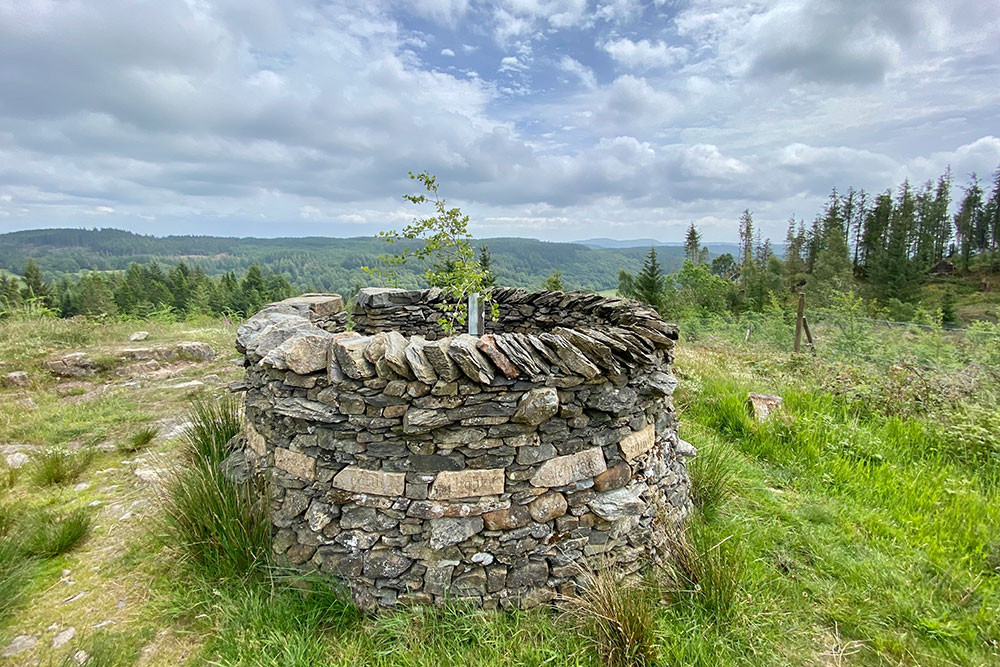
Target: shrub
{"points": [[138, 440], [618, 618], [213, 425], [45, 534], [60, 466]]}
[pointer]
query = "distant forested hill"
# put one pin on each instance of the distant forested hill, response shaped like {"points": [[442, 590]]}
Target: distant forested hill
{"points": [[320, 263]]}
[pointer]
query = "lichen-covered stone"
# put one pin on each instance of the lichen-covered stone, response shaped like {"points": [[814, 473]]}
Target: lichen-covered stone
{"points": [[360, 480], [613, 505], [300, 465], [446, 532]]}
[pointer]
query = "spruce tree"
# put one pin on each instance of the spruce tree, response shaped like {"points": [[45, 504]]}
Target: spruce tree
{"points": [[648, 286], [34, 286], [692, 245], [553, 282]]}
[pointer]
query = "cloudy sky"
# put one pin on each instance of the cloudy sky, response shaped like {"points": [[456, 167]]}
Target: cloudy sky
{"points": [[553, 119]]}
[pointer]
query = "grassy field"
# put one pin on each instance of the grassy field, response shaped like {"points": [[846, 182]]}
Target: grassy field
{"points": [[860, 526]]}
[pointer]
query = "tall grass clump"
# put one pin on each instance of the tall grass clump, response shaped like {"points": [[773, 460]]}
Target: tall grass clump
{"points": [[714, 476], [705, 569], [216, 524], [138, 440], [213, 425], [617, 616], [60, 466], [46, 534], [15, 572]]}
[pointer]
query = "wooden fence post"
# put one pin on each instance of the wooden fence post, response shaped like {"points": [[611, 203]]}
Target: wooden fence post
{"points": [[798, 321]]}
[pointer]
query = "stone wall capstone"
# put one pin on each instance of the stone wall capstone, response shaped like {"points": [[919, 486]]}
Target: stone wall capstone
{"points": [[420, 467]]}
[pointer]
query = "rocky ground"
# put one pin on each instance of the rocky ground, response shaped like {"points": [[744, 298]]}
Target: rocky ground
{"points": [[96, 396]]}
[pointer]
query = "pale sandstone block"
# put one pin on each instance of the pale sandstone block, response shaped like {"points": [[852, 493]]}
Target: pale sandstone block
{"points": [[638, 443], [563, 470], [467, 483], [377, 482], [300, 465]]}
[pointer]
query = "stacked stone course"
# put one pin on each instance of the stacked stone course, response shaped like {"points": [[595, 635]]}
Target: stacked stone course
{"points": [[419, 467]]}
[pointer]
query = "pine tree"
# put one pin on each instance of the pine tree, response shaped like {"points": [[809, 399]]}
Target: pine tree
{"points": [[967, 220], [486, 265], [34, 286], [553, 282], [692, 245], [648, 286], [746, 238]]}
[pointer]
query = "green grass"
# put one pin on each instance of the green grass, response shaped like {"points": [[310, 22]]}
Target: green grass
{"points": [[60, 466], [219, 526], [138, 440], [15, 574], [853, 525], [46, 533], [214, 422], [618, 617]]}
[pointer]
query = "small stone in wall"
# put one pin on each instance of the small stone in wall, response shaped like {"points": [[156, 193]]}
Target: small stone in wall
{"points": [[421, 421], [511, 518], [536, 406], [613, 505], [548, 507], [138, 336], [447, 532], [614, 477]]}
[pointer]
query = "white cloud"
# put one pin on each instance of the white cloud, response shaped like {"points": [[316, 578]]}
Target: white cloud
{"points": [[579, 70], [643, 54], [448, 53]]}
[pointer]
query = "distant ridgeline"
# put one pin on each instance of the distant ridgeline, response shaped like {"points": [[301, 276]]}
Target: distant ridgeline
{"points": [[312, 263]]}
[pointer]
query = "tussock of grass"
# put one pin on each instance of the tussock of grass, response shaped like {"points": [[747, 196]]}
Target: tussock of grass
{"points": [[138, 440], [46, 534], [214, 422], [617, 616], [218, 525], [15, 573], [706, 570], [60, 466], [714, 476]]}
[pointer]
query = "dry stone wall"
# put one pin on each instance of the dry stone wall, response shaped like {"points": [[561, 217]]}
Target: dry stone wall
{"points": [[419, 468]]}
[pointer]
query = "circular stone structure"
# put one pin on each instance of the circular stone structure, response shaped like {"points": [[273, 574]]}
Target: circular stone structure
{"points": [[494, 469]]}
